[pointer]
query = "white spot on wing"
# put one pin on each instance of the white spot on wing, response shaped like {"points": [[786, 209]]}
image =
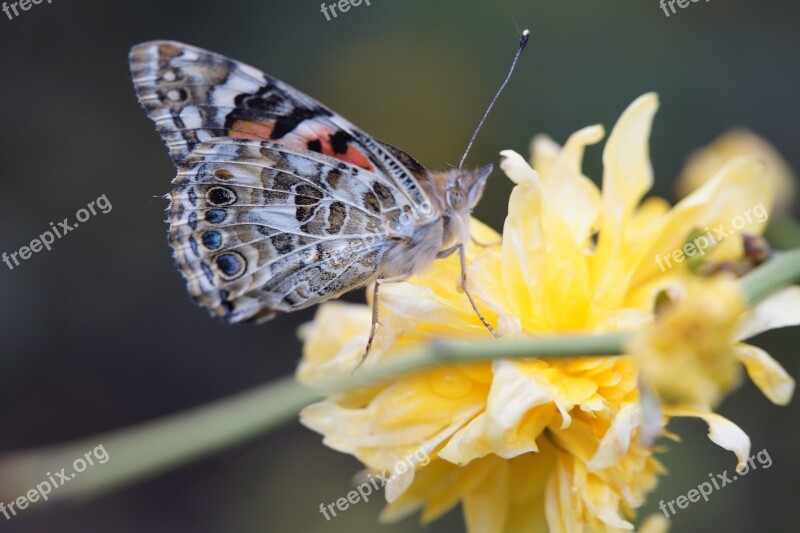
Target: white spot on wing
{"points": [[191, 117]]}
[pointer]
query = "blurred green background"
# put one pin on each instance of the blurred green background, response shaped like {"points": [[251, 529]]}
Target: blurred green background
{"points": [[99, 333]]}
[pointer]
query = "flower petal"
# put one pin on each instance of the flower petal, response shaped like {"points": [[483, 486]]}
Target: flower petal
{"points": [[627, 177], [779, 310], [721, 431], [334, 341], [485, 508], [655, 523], [707, 161], [617, 440], [572, 195], [767, 374], [736, 200], [524, 254]]}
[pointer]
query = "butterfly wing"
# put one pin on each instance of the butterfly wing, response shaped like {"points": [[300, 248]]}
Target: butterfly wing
{"points": [[194, 95], [279, 203], [260, 228]]}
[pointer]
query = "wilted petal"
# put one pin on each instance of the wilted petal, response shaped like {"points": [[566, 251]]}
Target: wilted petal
{"points": [[779, 310], [721, 431], [768, 375]]}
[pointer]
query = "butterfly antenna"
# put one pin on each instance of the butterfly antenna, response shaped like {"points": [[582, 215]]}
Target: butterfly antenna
{"points": [[523, 40]]}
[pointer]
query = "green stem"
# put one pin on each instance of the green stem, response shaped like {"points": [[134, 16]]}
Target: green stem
{"points": [[778, 272], [141, 451], [465, 352], [148, 449], [145, 450]]}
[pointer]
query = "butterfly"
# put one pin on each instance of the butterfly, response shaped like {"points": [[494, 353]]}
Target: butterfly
{"points": [[280, 203]]}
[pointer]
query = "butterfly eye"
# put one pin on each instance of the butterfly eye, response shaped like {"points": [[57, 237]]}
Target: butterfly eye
{"points": [[457, 198]]}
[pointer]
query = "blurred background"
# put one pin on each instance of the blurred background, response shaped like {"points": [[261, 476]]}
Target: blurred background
{"points": [[99, 334]]}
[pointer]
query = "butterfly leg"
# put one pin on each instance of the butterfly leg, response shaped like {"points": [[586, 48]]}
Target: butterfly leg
{"points": [[374, 328], [463, 257]]}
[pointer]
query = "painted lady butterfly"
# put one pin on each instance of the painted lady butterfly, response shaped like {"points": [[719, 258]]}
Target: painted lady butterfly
{"points": [[280, 203]]}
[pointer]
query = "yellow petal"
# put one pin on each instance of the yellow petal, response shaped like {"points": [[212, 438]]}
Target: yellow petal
{"points": [[617, 440], [468, 443], [736, 200], [334, 341], [545, 273], [721, 431], [707, 161], [779, 310], [655, 523], [485, 507], [767, 374], [544, 151], [628, 175], [513, 395], [524, 254], [572, 195]]}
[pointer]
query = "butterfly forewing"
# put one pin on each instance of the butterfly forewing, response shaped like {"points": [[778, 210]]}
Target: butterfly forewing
{"points": [[194, 95]]}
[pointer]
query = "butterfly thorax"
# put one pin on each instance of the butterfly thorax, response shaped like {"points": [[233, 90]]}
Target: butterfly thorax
{"points": [[437, 226]]}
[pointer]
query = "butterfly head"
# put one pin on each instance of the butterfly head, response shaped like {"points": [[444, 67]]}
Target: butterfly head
{"points": [[463, 189]]}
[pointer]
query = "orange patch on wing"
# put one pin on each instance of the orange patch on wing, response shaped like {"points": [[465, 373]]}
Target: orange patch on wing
{"points": [[251, 129], [353, 155]]}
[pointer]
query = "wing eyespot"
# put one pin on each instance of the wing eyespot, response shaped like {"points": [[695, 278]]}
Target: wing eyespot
{"points": [[220, 196], [231, 265], [169, 75], [212, 240], [175, 95], [216, 216], [223, 174]]}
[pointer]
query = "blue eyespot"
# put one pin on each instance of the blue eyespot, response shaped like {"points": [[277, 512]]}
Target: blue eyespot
{"points": [[231, 265], [212, 240], [215, 216]]}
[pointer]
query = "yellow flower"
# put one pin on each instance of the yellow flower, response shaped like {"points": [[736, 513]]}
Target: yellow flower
{"points": [[707, 161], [691, 356], [687, 356], [531, 445]]}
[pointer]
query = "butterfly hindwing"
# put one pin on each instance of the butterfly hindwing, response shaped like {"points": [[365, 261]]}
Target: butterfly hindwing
{"points": [[260, 228]]}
